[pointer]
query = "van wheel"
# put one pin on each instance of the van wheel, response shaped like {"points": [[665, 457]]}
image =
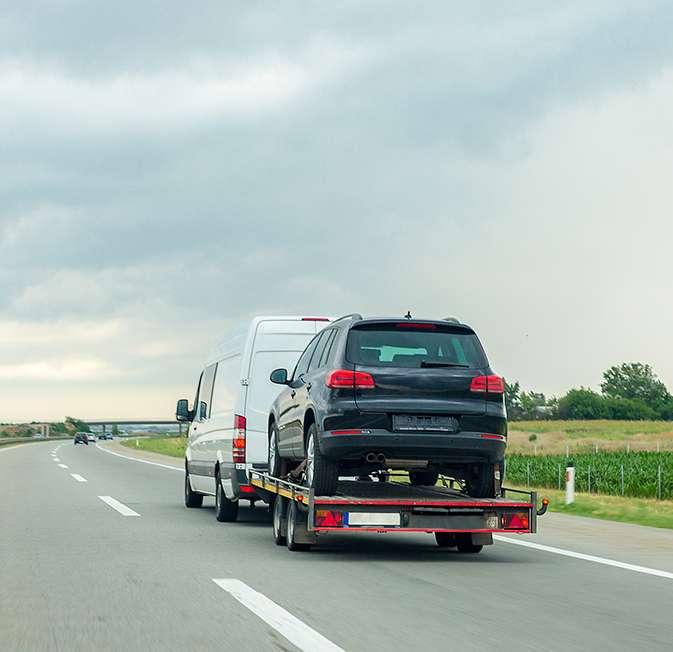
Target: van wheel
{"points": [[192, 499], [274, 458], [293, 516], [226, 510], [279, 510], [481, 484], [321, 474], [423, 478]]}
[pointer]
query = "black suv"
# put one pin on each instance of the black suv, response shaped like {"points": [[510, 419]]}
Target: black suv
{"points": [[375, 394]]}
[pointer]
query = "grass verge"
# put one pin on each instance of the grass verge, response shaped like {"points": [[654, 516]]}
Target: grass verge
{"points": [[173, 446], [639, 511]]}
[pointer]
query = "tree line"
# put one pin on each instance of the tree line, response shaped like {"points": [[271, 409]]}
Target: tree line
{"points": [[630, 391]]}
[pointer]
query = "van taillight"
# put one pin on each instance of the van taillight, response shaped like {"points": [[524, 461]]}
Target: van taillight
{"points": [[238, 443], [344, 378], [490, 384]]}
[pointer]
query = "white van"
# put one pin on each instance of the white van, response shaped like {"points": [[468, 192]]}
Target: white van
{"points": [[230, 416]]}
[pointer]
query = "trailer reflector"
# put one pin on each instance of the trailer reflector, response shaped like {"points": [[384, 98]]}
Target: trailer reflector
{"points": [[328, 518], [515, 520]]}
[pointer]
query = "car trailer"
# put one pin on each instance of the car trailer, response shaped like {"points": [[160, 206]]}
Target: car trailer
{"points": [[456, 520]]}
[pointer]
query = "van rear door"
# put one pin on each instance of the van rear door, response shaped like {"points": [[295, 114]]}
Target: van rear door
{"points": [[418, 369]]}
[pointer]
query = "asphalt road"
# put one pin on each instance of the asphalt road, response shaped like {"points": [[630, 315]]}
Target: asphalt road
{"points": [[76, 574]]}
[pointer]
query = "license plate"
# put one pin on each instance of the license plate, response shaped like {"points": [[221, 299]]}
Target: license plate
{"points": [[372, 520], [408, 422]]}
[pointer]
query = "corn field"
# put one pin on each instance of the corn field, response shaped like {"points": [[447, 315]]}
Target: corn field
{"points": [[616, 473]]}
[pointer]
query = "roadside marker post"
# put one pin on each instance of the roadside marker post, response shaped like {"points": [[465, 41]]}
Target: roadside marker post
{"points": [[570, 484]]}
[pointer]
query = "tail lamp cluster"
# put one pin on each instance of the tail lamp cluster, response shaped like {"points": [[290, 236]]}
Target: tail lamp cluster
{"points": [[488, 385], [347, 379], [238, 442]]}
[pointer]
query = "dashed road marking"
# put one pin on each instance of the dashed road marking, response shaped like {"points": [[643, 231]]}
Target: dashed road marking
{"points": [[120, 507], [294, 630], [63, 466], [78, 477]]}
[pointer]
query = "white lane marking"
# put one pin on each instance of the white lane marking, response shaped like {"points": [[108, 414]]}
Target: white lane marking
{"points": [[120, 507], [56, 459], [593, 558], [63, 466], [78, 477], [293, 629], [135, 459]]}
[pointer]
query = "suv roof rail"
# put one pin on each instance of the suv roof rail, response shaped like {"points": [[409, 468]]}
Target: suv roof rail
{"points": [[453, 320], [353, 315]]}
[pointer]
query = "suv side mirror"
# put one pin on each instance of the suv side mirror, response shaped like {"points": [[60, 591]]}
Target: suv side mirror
{"points": [[279, 376], [182, 412]]}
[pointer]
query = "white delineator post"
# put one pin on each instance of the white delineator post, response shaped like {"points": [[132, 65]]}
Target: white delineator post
{"points": [[570, 484]]}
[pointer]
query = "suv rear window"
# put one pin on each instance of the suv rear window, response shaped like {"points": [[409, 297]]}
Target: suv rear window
{"points": [[393, 346]]}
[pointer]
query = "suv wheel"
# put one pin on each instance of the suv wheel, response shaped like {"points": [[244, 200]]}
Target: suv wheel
{"points": [[192, 499], [274, 458], [481, 484], [321, 474], [423, 478], [226, 510]]}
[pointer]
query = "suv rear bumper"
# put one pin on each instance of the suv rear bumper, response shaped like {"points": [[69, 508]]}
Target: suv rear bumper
{"points": [[462, 447]]}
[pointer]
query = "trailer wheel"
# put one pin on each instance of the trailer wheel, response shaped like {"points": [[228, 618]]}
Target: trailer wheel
{"points": [[192, 499], [446, 539], [321, 474], [465, 545], [279, 515], [294, 519], [226, 510]]}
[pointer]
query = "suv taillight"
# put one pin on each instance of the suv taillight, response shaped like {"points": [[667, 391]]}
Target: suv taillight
{"points": [[344, 378], [238, 443], [490, 384]]}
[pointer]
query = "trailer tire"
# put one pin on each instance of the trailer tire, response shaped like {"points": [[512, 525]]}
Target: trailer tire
{"points": [[466, 546], [226, 511], [446, 539], [481, 484], [423, 478], [293, 517], [192, 499], [279, 514], [322, 474]]}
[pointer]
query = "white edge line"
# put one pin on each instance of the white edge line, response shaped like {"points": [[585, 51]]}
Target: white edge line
{"points": [[580, 555], [294, 630], [120, 507], [135, 459], [78, 477], [63, 466]]}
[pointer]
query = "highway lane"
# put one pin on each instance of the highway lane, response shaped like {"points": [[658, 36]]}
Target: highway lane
{"points": [[76, 574]]}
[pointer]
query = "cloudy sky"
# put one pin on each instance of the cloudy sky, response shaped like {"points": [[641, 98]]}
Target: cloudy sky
{"points": [[168, 167]]}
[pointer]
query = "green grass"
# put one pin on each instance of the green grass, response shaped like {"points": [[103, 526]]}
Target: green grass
{"points": [[639, 511], [599, 428], [173, 446]]}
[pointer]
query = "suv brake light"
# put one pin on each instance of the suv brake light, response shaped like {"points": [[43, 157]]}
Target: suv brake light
{"points": [[344, 378], [488, 384], [238, 443]]}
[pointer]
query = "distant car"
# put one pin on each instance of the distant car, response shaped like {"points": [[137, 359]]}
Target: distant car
{"points": [[104, 435], [91, 437], [81, 438]]}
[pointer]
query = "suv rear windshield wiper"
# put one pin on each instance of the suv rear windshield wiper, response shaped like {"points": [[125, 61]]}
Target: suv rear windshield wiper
{"points": [[430, 363]]}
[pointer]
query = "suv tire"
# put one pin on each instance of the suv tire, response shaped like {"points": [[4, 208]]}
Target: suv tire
{"points": [[275, 463], [482, 483], [423, 478], [322, 474]]}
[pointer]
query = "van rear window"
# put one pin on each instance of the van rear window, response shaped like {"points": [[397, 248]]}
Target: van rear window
{"points": [[395, 347]]}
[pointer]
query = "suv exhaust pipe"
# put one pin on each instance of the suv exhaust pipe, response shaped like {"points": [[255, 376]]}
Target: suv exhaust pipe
{"points": [[375, 458]]}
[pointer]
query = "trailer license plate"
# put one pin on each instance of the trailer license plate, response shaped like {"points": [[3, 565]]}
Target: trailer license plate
{"points": [[368, 519]]}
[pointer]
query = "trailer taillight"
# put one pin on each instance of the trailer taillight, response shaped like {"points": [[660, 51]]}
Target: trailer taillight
{"points": [[515, 521], [328, 518], [488, 384], [238, 443], [345, 378]]}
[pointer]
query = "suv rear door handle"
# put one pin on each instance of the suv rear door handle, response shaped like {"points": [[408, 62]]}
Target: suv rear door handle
{"points": [[293, 393], [308, 386]]}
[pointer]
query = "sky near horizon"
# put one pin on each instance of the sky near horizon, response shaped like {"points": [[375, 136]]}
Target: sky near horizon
{"points": [[167, 168]]}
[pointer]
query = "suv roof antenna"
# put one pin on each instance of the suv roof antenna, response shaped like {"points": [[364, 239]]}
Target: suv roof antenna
{"points": [[408, 315]]}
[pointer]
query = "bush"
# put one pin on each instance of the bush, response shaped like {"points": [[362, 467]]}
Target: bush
{"points": [[532, 437], [582, 404]]}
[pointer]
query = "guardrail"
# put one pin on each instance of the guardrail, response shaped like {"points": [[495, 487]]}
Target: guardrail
{"points": [[5, 441]]}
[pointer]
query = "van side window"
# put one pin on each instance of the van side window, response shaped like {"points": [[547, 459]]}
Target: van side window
{"points": [[206, 393], [226, 386], [302, 365], [319, 348], [328, 347]]}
